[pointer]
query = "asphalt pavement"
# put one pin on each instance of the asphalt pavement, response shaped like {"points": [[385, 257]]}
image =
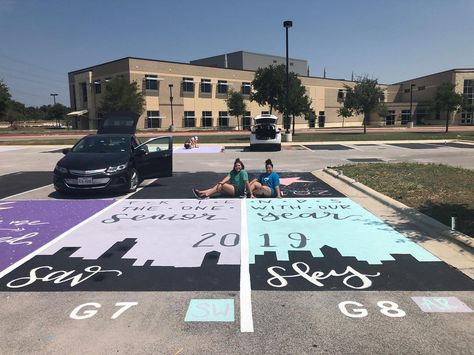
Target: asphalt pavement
{"points": [[328, 269]]}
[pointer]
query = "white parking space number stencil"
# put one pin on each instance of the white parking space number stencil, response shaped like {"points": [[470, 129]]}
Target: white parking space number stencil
{"points": [[354, 309], [90, 309]]}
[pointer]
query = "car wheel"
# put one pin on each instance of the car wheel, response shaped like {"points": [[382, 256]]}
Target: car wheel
{"points": [[133, 183]]}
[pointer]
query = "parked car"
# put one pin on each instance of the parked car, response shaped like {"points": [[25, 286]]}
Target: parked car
{"points": [[113, 159], [264, 134]]}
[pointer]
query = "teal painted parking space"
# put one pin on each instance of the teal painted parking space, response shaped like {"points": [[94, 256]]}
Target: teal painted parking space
{"points": [[283, 225]]}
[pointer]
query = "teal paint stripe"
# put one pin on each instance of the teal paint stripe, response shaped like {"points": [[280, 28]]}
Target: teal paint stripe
{"points": [[309, 224], [210, 310]]}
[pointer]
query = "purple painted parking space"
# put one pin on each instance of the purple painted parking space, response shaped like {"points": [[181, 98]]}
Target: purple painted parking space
{"points": [[198, 150], [27, 225]]}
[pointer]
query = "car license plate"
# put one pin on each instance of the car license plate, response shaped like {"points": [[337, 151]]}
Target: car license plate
{"points": [[84, 181]]}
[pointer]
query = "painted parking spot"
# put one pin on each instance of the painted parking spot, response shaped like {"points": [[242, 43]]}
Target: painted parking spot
{"points": [[199, 150], [194, 245], [27, 225], [334, 244], [142, 245]]}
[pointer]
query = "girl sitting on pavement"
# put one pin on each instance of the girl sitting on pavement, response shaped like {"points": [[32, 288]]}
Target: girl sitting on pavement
{"points": [[234, 184], [267, 184]]}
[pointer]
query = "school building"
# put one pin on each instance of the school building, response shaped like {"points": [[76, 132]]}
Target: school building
{"points": [[192, 95]]}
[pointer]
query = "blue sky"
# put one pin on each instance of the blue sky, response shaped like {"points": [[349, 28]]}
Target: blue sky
{"points": [[391, 40]]}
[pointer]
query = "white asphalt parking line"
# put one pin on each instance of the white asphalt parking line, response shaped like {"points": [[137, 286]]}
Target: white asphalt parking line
{"points": [[25, 192], [65, 234], [246, 319]]}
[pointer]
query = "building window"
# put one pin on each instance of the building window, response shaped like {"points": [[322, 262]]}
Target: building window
{"points": [[405, 117], [467, 117], [223, 119], [189, 119], [390, 118], [188, 85], [406, 91], [206, 86], [382, 97], [340, 95], [468, 92], [321, 119], [246, 87], [246, 120], [311, 120], [151, 82], [74, 104], [84, 92], [421, 88], [421, 115], [153, 119], [206, 119], [97, 87], [222, 87]]}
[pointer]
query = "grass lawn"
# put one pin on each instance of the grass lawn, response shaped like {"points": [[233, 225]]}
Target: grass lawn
{"points": [[299, 137], [436, 190]]}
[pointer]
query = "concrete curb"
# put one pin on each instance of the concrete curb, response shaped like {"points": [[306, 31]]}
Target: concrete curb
{"points": [[409, 212]]}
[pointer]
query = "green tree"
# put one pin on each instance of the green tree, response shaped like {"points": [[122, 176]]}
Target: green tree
{"points": [[344, 112], [364, 98], [58, 112], [268, 85], [269, 89], [298, 102], [236, 105], [15, 112], [121, 95], [447, 99], [5, 98]]}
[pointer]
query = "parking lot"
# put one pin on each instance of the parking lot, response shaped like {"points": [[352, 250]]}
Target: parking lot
{"points": [[325, 269]]}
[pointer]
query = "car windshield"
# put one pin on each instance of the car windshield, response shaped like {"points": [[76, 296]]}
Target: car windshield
{"points": [[101, 144]]}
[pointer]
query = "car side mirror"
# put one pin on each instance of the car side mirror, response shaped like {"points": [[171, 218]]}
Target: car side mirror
{"points": [[66, 150], [140, 152]]}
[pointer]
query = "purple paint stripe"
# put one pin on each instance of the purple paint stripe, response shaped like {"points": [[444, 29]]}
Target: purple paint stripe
{"points": [[211, 149], [27, 225]]}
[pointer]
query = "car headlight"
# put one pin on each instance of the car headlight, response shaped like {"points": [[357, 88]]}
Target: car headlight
{"points": [[60, 169], [115, 169]]}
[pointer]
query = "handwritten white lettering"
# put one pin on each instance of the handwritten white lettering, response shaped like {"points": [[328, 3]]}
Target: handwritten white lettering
{"points": [[18, 240], [58, 277], [302, 270], [27, 223]]}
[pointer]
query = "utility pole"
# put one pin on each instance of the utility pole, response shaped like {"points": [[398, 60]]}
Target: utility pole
{"points": [[54, 104]]}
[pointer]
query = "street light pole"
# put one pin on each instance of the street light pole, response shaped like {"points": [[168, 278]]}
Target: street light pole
{"points": [[411, 103], [171, 102], [54, 103], [287, 25]]}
